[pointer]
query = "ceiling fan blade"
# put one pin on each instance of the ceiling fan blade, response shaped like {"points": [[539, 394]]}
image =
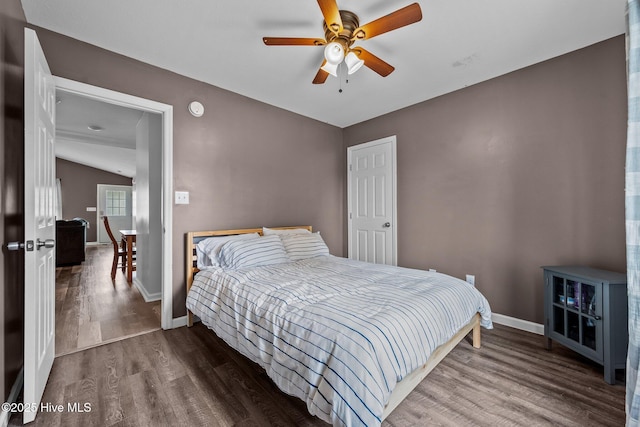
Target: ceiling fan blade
{"points": [[331, 15], [321, 76], [373, 62], [400, 18], [292, 41]]}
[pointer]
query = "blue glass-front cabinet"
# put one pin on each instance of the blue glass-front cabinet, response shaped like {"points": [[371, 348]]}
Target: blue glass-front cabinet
{"points": [[586, 310]]}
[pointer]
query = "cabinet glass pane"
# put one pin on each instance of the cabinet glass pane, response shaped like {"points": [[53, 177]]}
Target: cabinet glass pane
{"points": [[573, 294], [558, 291], [573, 326], [588, 332], [558, 320], [588, 299]]}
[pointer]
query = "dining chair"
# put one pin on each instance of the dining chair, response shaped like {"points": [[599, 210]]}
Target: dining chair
{"points": [[119, 253]]}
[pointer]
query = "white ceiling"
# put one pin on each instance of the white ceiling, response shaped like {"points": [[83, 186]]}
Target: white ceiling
{"points": [[112, 149], [457, 43]]}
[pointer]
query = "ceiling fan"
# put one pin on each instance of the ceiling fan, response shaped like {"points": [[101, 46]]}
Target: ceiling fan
{"points": [[342, 29]]}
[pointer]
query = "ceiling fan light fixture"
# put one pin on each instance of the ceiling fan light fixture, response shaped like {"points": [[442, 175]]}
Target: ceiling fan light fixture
{"points": [[353, 62], [330, 68], [334, 53], [341, 29]]}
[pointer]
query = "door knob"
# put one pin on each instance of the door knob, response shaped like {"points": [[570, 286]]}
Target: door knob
{"points": [[49, 243], [14, 246], [386, 225]]}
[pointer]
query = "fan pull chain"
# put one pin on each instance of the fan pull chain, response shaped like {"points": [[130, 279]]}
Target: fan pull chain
{"points": [[346, 76]]}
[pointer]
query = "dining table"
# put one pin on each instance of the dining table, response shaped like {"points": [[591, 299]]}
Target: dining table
{"points": [[128, 242]]}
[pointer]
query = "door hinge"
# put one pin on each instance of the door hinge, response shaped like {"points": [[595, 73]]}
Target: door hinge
{"points": [[350, 167], [350, 215]]}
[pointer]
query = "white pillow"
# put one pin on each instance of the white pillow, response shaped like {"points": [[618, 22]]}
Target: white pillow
{"points": [[271, 231], [208, 250], [252, 253], [303, 246]]}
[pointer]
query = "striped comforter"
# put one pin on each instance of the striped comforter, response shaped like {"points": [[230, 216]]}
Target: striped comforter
{"points": [[337, 333]]}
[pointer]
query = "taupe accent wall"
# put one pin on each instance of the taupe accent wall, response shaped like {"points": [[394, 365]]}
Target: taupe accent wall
{"points": [[79, 190], [244, 163], [494, 180], [12, 23], [518, 172]]}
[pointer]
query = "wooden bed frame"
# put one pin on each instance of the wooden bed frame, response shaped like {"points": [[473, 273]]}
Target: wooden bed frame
{"points": [[408, 383]]}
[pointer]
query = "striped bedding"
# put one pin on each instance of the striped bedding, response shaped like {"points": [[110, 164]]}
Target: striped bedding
{"points": [[337, 333]]}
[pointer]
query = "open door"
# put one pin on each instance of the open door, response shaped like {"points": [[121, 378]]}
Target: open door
{"points": [[40, 221]]}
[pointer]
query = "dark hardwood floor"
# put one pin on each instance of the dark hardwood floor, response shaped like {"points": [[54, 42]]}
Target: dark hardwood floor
{"points": [[92, 310], [189, 377]]}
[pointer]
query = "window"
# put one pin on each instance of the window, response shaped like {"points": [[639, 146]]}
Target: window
{"points": [[116, 203]]}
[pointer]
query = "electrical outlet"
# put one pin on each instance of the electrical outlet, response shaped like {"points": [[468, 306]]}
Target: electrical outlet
{"points": [[471, 279], [433, 270], [182, 197]]}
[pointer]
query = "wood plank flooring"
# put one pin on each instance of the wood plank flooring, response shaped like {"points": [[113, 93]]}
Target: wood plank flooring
{"points": [[92, 310], [189, 377]]}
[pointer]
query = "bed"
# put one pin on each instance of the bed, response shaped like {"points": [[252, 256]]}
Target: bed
{"points": [[351, 339]]}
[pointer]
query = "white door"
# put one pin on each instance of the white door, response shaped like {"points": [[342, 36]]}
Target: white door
{"points": [[39, 221], [372, 201], [116, 202]]}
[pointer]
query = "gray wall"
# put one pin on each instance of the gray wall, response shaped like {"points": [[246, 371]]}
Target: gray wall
{"points": [[12, 23], [245, 163], [79, 191], [148, 194], [494, 180], [514, 173]]}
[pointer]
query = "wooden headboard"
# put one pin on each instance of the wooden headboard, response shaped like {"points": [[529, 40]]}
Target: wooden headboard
{"points": [[193, 237]]}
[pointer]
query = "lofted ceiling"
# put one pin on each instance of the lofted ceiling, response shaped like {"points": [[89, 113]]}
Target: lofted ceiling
{"points": [[456, 44], [110, 145]]}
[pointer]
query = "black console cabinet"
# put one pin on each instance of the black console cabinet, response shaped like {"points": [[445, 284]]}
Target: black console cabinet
{"points": [[586, 310], [70, 242]]}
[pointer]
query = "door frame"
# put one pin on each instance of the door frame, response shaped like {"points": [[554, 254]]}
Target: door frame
{"points": [[166, 112], [394, 197]]}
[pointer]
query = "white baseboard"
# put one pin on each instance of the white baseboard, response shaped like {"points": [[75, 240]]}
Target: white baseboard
{"points": [[13, 398], [179, 322], [157, 296], [513, 322]]}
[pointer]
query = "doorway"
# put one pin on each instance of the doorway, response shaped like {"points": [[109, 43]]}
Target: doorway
{"points": [[164, 227]]}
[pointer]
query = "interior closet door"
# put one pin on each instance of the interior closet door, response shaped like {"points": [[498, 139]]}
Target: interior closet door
{"points": [[372, 201]]}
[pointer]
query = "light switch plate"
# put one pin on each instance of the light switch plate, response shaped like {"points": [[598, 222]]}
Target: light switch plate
{"points": [[182, 197]]}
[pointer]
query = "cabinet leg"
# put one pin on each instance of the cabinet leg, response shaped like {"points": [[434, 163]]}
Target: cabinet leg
{"points": [[609, 374], [547, 343]]}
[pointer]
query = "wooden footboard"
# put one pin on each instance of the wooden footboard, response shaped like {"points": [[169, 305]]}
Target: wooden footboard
{"points": [[408, 383]]}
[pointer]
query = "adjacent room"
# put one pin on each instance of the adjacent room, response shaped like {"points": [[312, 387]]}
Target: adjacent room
{"points": [[475, 149], [97, 171]]}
